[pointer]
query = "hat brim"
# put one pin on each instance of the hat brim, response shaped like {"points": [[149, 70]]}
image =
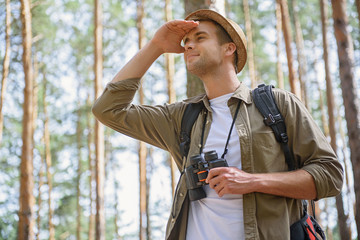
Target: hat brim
{"points": [[232, 28]]}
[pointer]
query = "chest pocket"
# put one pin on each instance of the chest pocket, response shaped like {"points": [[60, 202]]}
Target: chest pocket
{"points": [[267, 152]]}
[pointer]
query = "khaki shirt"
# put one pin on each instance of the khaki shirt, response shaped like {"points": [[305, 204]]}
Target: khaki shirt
{"points": [[265, 216]]}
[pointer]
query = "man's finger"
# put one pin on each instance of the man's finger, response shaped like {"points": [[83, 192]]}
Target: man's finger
{"points": [[215, 172]]}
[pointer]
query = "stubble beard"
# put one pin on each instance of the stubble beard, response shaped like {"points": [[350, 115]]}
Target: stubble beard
{"points": [[200, 67]]}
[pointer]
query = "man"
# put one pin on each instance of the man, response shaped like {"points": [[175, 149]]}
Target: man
{"points": [[256, 197]]}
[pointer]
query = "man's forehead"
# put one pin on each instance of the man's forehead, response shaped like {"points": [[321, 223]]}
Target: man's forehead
{"points": [[204, 27]]}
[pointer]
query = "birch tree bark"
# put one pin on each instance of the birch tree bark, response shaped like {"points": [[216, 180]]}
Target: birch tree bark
{"points": [[99, 129], [348, 86], [26, 198]]}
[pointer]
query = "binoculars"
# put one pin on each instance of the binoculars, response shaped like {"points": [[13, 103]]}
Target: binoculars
{"points": [[197, 172]]}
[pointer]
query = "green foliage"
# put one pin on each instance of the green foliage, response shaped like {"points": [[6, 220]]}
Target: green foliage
{"points": [[8, 226], [65, 220], [9, 185]]}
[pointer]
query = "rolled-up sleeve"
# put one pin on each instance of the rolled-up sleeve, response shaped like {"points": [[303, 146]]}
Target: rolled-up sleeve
{"points": [[156, 125], [311, 149], [116, 96]]}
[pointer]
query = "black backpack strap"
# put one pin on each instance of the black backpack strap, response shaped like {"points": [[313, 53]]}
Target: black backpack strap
{"points": [[191, 113], [265, 102]]}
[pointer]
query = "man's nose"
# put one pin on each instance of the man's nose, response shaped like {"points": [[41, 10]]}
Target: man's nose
{"points": [[189, 45]]}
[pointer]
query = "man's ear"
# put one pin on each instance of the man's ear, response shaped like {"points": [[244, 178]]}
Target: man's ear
{"points": [[230, 48]]}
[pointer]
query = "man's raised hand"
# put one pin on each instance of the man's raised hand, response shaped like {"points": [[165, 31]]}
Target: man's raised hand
{"points": [[167, 39], [169, 36]]}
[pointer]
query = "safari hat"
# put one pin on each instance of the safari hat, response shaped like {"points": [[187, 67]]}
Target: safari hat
{"points": [[232, 28]]}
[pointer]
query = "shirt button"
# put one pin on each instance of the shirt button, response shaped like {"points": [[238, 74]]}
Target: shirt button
{"points": [[173, 220], [181, 194]]}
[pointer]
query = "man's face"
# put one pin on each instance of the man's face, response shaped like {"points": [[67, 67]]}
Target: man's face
{"points": [[202, 49]]}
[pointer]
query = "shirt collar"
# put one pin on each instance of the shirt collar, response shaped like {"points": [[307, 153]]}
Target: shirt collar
{"points": [[242, 92]]}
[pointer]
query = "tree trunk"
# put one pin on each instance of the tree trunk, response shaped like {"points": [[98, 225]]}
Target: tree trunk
{"points": [[170, 71], [328, 230], [39, 202], [116, 208], [35, 92], [143, 188], [6, 64], [79, 172], [250, 45], [280, 73], [348, 86], [329, 92], [324, 122], [48, 162], [142, 145], [349, 189], [299, 41], [342, 217], [345, 231], [194, 84], [99, 129], [294, 82], [169, 59], [41, 170], [92, 174], [193, 5], [148, 222], [26, 199]]}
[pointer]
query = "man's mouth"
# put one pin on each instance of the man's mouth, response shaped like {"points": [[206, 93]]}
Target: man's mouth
{"points": [[191, 56]]}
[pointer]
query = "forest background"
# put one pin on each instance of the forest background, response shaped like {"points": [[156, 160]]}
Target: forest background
{"points": [[64, 176]]}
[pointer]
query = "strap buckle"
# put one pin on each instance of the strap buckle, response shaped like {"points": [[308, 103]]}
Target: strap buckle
{"points": [[284, 137], [271, 120]]}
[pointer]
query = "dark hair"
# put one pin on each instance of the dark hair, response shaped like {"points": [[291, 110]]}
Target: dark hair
{"points": [[222, 35]]}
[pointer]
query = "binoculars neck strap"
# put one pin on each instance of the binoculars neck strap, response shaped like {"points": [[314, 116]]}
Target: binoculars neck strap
{"points": [[229, 135]]}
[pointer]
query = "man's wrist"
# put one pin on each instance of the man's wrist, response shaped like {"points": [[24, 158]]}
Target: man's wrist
{"points": [[156, 47]]}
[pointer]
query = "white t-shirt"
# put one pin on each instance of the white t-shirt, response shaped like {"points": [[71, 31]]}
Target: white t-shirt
{"points": [[214, 217]]}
